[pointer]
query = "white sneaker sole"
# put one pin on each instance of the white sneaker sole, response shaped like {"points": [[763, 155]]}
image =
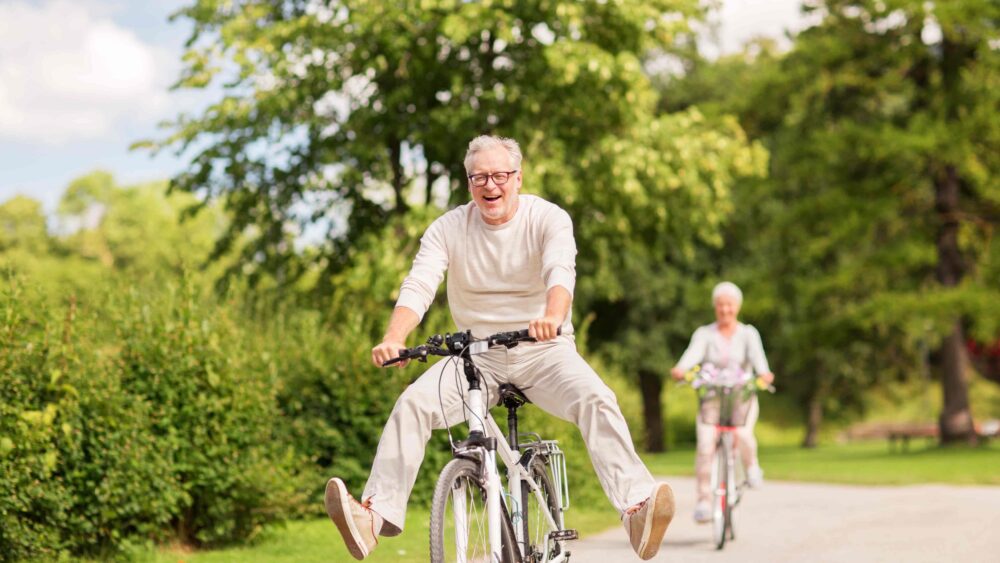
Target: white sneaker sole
{"points": [[661, 513], [338, 507]]}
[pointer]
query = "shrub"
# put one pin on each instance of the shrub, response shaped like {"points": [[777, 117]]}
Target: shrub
{"points": [[211, 411], [34, 503], [148, 420]]}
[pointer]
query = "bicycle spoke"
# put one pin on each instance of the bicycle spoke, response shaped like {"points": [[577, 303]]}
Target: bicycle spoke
{"points": [[538, 513], [459, 517], [466, 525]]}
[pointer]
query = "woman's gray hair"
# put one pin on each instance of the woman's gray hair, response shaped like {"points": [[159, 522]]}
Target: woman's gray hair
{"points": [[727, 288], [487, 142]]}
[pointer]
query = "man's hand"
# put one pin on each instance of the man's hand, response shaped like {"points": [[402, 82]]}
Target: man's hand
{"points": [[545, 328], [388, 350], [401, 323], [677, 373]]}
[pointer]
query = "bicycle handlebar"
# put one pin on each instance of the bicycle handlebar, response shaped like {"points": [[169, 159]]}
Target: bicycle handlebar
{"points": [[459, 343], [696, 374]]}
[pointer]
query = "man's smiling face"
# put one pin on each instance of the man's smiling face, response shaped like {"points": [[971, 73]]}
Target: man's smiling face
{"points": [[496, 203]]}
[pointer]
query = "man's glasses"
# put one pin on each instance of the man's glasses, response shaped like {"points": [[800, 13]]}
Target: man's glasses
{"points": [[499, 178]]}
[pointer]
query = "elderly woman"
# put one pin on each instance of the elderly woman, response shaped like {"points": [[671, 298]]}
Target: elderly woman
{"points": [[726, 343]]}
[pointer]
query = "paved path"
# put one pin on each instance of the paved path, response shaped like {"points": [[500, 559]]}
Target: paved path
{"points": [[792, 522]]}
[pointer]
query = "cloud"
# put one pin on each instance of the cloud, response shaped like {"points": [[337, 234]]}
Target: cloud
{"points": [[69, 73], [737, 22]]}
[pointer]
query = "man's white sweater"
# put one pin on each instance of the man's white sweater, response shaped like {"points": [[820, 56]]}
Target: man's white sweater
{"points": [[498, 275]]}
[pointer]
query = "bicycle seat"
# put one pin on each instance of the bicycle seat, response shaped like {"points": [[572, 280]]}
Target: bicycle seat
{"points": [[512, 397]]}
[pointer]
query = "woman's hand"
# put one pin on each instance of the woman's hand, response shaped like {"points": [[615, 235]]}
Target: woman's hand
{"points": [[676, 373], [767, 377]]}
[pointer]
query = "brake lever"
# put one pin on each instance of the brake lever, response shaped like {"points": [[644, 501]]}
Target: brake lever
{"points": [[419, 354]]}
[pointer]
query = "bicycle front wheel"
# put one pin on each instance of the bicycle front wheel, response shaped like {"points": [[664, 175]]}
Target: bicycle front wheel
{"points": [[540, 546], [459, 521], [720, 494]]}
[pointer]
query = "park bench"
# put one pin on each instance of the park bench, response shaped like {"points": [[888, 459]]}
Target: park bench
{"points": [[899, 434]]}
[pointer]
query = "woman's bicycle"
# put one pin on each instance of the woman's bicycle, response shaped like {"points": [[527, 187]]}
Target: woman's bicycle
{"points": [[725, 397], [473, 516]]}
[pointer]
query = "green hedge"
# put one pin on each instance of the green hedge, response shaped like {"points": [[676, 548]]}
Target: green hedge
{"points": [[142, 416], [34, 501], [212, 410]]}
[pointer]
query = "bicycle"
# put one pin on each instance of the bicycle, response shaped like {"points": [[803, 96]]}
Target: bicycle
{"points": [[724, 401], [473, 518]]}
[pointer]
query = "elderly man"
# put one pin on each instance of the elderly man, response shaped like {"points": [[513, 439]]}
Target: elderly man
{"points": [[511, 264]]}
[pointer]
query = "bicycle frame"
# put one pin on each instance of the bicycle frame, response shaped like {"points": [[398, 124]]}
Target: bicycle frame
{"points": [[726, 436], [481, 423], [485, 440], [725, 444], [725, 386]]}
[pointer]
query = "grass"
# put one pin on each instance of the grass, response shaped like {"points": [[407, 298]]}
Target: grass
{"points": [[779, 432], [317, 540], [866, 463]]}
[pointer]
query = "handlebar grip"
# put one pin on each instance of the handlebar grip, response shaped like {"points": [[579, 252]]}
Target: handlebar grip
{"points": [[404, 354], [523, 335], [516, 336]]}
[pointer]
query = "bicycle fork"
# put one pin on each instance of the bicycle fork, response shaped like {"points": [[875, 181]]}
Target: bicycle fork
{"points": [[477, 429]]}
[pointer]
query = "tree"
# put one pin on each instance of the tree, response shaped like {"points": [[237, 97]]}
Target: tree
{"points": [[338, 114], [22, 226], [659, 198], [876, 224], [140, 229], [342, 115]]}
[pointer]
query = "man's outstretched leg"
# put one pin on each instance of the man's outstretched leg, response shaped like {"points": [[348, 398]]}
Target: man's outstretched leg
{"points": [[400, 451], [559, 380]]}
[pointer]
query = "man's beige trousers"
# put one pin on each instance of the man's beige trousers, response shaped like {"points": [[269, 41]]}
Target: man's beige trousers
{"points": [[552, 375]]}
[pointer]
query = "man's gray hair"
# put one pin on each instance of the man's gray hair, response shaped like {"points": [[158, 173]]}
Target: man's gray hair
{"points": [[730, 289], [487, 142]]}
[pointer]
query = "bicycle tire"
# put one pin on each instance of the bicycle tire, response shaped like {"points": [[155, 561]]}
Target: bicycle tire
{"points": [[731, 495], [738, 487], [463, 475], [720, 490], [533, 518]]}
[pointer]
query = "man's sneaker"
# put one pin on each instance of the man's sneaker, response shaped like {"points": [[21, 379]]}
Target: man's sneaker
{"points": [[647, 521], [755, 476], [358, 524], [703, 512]]}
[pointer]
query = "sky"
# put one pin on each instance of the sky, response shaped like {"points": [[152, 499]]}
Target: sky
{"points": [[81, 80]]}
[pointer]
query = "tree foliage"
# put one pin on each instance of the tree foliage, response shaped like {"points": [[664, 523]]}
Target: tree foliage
{"points": [[336, 114], [871, 241]]}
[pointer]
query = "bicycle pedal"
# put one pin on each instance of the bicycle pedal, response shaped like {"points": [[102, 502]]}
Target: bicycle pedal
{"points": [[564, 535]]}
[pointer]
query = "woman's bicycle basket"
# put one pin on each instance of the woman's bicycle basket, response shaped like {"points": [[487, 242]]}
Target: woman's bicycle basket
{"points": [[714, 403]]}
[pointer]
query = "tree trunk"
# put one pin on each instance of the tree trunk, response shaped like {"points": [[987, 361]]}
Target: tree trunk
{"points": [[395, 155], [651, 387], [429, 194], [956, 423], [956, 418], [814, 418]]}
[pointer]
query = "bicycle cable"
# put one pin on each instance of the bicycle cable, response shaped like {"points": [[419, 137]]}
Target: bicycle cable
{"points": [[444, 413], [482, 380], [465, 404]]}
